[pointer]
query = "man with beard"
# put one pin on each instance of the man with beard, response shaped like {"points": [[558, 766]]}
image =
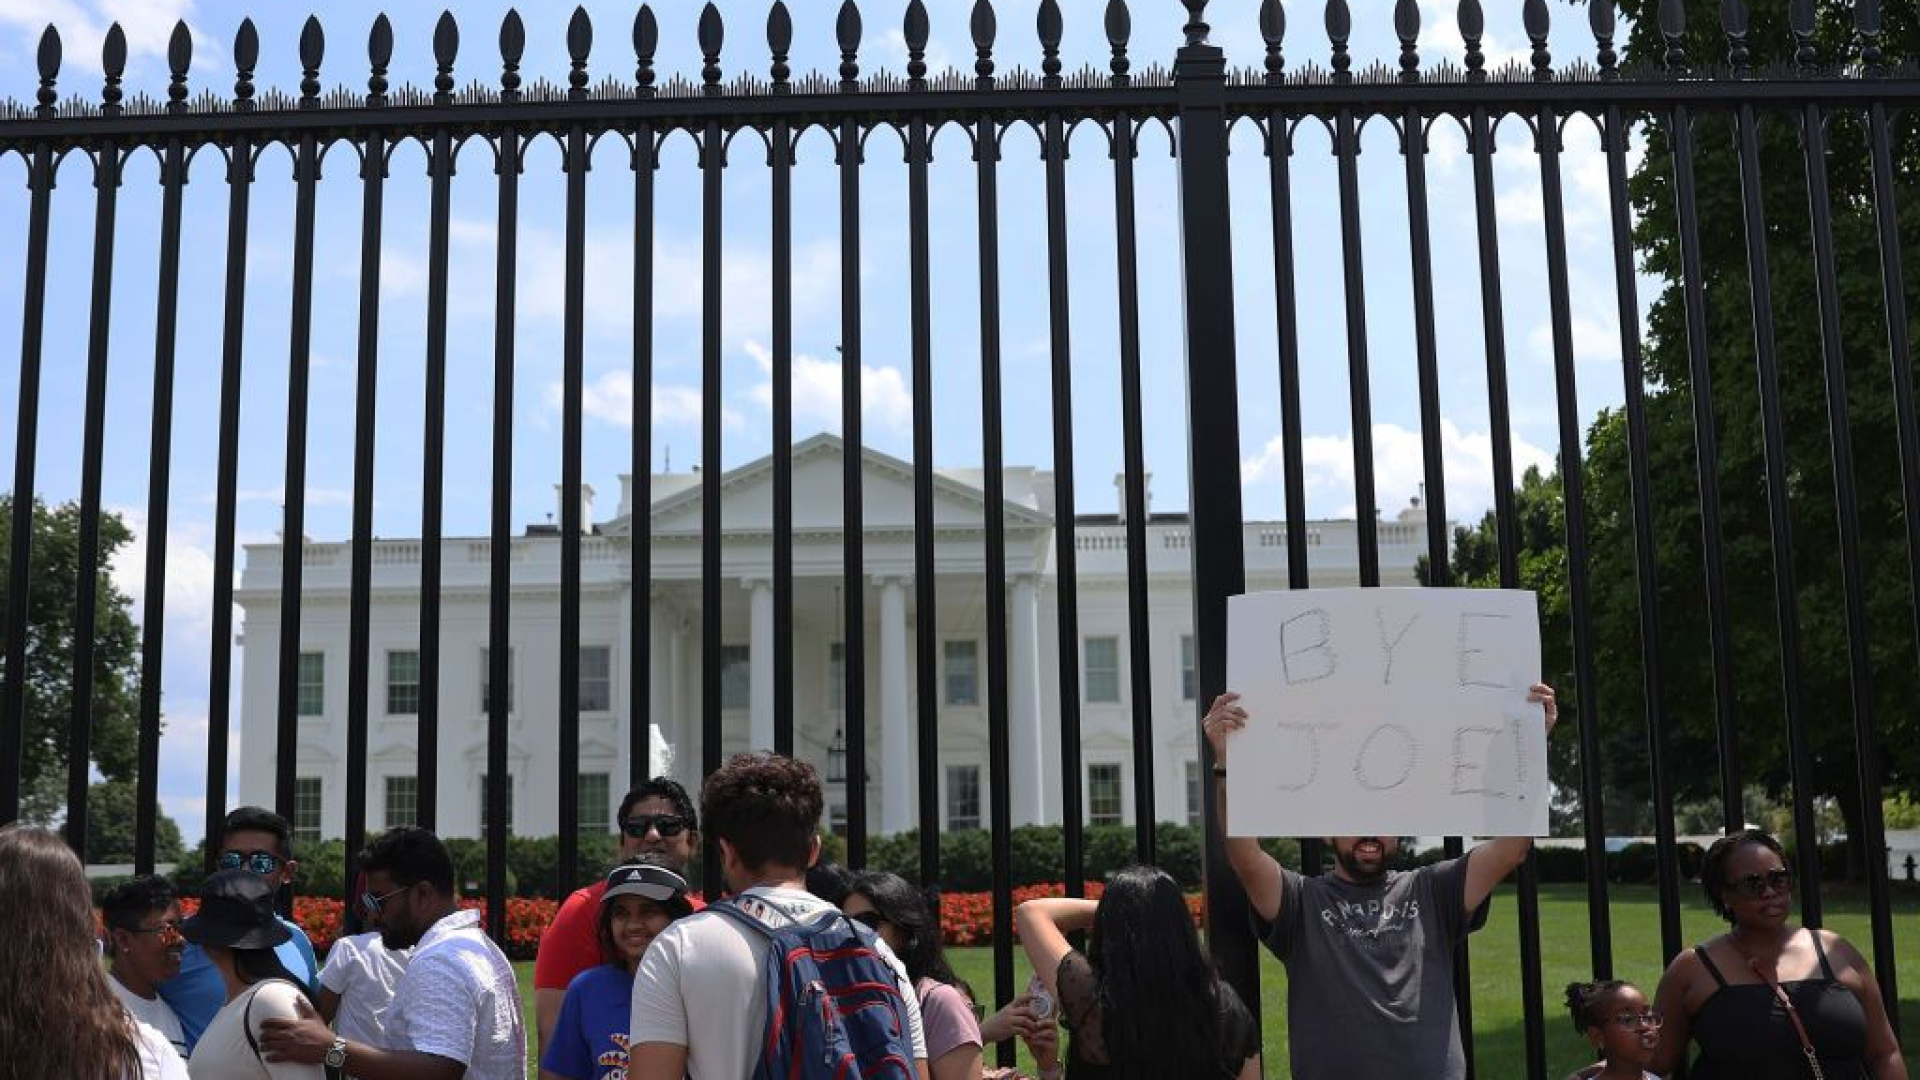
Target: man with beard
{"points": [[142, 919], [656, 818], [1368, 950], [456, 1011]]}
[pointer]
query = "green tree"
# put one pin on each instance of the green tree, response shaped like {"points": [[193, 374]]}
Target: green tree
{"points": [[111, 809], [49, 668]]}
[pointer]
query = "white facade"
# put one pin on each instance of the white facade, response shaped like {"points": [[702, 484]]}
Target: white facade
{"points": [[674, 662]]}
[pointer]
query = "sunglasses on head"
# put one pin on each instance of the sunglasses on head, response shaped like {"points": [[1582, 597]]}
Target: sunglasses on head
{"points": [[1779, 879], [260, 862], [667, 825], [869, 919]]}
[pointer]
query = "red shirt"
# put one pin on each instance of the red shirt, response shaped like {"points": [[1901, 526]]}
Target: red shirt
{"points": [[571, 944]]}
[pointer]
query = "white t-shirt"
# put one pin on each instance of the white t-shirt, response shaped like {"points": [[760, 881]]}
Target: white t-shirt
{"points": [[365, 974], [154, 1012], [458, 1000], [158, 1061], [699, 986], [225, 1053]]}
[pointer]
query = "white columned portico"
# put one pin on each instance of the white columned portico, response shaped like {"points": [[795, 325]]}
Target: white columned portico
{"points": [[1029, 794], [760, 659], [896, 722]]}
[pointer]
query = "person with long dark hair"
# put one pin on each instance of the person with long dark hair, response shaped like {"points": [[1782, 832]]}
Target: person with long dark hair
{"points": [[589, 1038], [1144, 1001], [239, 930], [1768, 999], [58, 1016], [890, 906]]}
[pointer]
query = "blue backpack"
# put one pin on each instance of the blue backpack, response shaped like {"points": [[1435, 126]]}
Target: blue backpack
{"points": [[834, 1009]]}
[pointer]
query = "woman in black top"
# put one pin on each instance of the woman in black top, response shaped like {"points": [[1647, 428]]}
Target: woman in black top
{"points": [[1144, 1002], [1758, 997]]}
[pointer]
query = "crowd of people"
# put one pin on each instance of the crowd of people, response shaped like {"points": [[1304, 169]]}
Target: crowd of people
{"points": [[793, 968]]}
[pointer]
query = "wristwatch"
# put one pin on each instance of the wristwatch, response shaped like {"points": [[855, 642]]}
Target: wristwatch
{"points": [[336, 1055]]}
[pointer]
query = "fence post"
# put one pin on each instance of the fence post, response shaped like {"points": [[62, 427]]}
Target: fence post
{"points": [[1213, 434]]}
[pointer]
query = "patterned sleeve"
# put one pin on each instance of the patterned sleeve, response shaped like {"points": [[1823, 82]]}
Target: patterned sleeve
{"points": [[1080, 1005], [444, 1018]]}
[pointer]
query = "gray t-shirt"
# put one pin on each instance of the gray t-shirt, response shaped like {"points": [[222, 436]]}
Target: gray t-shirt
{"points": [[1374, 962]]}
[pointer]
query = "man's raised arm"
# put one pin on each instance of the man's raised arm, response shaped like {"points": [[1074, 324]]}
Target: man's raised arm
{"points": [[1490, 863], [1259, 874]]}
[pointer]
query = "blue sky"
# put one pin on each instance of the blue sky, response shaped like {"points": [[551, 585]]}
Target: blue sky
{"points": [[887, 384]]}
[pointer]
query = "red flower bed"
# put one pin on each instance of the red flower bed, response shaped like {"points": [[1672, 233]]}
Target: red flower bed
{"points": [[966, 918]]}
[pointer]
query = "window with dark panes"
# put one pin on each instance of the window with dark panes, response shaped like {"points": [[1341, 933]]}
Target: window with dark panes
{"points": [[306, 809], [403, 682], [594, 798], [836, 675], [1100, 672], [596, 679], [486, 784], [963, 797], [962, 671], [313, 684], [736, 676], [403, 801], [1189, 681], [1103, 794]]}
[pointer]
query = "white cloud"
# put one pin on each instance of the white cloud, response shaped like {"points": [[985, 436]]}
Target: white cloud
{"points": [[83, 26], [609, 399], [1398, 469], [884, 397]]}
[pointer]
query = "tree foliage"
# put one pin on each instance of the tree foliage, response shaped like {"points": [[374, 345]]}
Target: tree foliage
{"points": [[1685, 658], [55, 559]]}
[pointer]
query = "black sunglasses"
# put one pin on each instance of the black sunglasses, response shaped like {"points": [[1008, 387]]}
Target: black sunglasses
{"points": [[260, 862], [1779, 879], [667, 825], [869, 919]]}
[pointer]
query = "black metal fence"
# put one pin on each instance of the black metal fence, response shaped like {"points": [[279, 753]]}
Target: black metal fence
{"points": [[1199, 100]]}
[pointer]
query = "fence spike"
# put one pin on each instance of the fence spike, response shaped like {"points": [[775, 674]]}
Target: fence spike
{"points": [[313, 49], [113, 62], [1052, 28], [1339, 29], [1866, 28], [1600, 19], [1473, 27], [1734, 23], [1673, 27], [446, 47], [1197, 30], [579, 44], [513, 45], [246, 57], [1537, 21], [1119, 33], [985, 26], [179, 59], [646, 42], [917, 32], [1406, 26], [713, 34], [48, 60], [379, 58], [846, 29], [1273, 31], [780, 43], [1800, 18]]}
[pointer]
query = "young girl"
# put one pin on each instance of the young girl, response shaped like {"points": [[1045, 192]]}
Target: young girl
{"points": [[1615, 1017]]}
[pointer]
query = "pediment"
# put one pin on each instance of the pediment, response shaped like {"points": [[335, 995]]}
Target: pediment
{"points": [[476, 752], [818, 487]]}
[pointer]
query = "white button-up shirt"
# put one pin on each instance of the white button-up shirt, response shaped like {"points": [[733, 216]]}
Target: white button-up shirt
{"points": [[458, 1000]]}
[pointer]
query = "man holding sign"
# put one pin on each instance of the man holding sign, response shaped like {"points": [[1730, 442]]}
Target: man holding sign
{"points": [[1395, 712]]}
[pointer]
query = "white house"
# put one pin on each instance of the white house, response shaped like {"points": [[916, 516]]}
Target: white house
{"points": [[674, 661]]}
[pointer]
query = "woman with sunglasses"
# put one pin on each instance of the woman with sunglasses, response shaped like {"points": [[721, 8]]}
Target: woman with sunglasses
{"points": [[1768, 1000], [239, 929], [58, 1017], [891, 907], [1144, 1001], [589, 1039]]}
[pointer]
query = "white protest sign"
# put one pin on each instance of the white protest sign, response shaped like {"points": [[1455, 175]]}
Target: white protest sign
{"points": [[1391, 712]]}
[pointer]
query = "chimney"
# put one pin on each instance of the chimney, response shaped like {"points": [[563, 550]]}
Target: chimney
{"points": [[586, 505], [1120, 495]]}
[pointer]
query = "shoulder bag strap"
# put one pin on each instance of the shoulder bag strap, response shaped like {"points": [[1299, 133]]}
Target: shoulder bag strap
{"points": [[1793, 1014]]}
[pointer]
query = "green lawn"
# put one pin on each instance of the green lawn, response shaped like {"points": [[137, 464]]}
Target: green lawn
{"points": [[1499, 1035]]}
